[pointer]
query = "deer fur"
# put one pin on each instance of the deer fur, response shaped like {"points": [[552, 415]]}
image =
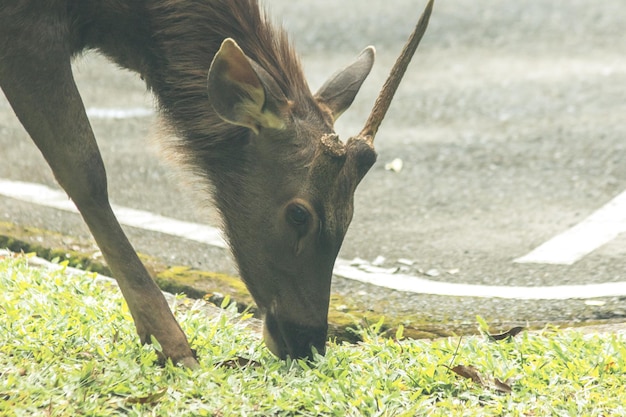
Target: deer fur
{"points": [[231, 88]]}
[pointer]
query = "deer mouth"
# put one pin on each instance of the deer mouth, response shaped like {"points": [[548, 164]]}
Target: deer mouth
{"points": [[285, 338]]}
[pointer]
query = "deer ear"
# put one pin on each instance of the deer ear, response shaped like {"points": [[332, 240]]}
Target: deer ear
{"points": [[242, 92], [339, 91]]}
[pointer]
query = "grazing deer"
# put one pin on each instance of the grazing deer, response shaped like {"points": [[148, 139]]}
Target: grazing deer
{"points": [[231, 88]]}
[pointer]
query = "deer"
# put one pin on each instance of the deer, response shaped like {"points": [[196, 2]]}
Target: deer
{"points": [[230, 87]]}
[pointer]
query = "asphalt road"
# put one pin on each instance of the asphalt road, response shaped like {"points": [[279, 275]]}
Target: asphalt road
{"points": [[511, 126]]}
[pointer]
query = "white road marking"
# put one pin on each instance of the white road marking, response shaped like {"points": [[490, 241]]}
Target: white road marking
{"points": [[596, 230], [45, 196], [111, 113], [48, 197], [408, 283]]}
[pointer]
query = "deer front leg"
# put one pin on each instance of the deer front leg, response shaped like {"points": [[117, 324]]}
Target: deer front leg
{"points": [[41, 89]]}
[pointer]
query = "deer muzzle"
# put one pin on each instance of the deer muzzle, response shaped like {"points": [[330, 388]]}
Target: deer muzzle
{"points": [[284, 338]]}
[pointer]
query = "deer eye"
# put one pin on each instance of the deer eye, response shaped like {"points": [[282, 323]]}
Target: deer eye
{"points": [[298, 214]]}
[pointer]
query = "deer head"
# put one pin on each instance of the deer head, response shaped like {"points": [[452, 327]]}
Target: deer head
{"points": [[287, 201]]}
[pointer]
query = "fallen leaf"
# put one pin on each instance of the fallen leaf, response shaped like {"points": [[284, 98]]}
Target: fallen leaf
{"points": [[239, 362], [506, 335], [468, 372], [147, 399], [472, 373], [501, 386]]}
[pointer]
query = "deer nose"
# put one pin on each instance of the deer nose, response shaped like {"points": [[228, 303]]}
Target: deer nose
{"points": [[285, 338]]}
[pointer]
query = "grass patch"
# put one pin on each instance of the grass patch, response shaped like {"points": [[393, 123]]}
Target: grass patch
{"points": [[68, 348], [214, 286]]}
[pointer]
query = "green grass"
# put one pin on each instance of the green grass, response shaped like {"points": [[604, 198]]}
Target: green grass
{"points": [[68, 348]]}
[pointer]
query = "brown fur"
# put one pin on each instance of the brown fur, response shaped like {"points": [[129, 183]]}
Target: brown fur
{"points": [[176, 41], [172, 46], [286, 200]]}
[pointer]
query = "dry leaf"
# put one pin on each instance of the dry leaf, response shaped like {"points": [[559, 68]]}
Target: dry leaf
{"points": [[148, 399], [501, 386], [510, 333], [467, 372], [472, 373], [239, 362]]}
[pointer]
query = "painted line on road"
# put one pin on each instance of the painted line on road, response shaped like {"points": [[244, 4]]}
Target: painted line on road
{"points": [[48, 197], [596, 230], [113, 113], [45, 196], [414, 284]]}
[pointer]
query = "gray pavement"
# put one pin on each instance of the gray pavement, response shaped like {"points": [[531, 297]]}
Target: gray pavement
{"points": [[510, 124]]}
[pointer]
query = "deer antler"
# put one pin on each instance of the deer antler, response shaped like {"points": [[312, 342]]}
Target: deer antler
{"points": [[360, 148], [393, 80]]}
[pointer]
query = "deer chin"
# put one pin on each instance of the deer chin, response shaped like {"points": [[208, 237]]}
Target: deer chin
{"points": [[275, 346], [284, 338]]}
